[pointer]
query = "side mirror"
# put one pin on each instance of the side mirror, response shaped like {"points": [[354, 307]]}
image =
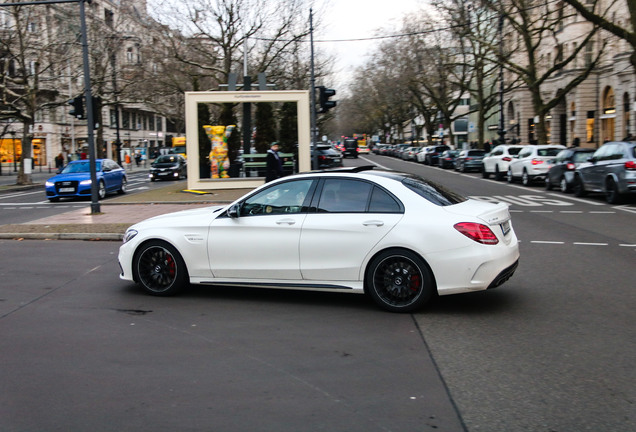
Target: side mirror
{"points": [[233, 211]]}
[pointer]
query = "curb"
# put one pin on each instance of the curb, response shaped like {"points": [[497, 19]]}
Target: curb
{"points": [[62, 236]]}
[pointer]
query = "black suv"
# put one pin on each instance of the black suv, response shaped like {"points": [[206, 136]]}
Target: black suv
{"points": [[350, 148]]}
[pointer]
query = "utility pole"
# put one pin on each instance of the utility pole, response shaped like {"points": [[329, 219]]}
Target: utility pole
{"points": [[312, 95]]}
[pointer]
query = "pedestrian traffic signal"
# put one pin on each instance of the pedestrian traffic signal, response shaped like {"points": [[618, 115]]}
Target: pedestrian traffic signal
{"points": [[325, 103], [78, 107], [97, 107]]}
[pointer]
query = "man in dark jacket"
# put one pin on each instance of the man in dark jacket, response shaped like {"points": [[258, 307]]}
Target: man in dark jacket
{"points": [[274, 163]]}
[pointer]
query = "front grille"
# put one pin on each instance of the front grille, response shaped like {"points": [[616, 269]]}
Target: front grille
{"points": [[66, 187]]}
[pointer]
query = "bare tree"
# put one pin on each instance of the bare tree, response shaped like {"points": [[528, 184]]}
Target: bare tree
{"points": [[31, 61], [605, 18], [533, 53]]}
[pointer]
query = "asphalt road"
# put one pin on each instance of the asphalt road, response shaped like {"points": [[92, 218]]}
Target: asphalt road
{"points": [[551, 350], [29, 205]]}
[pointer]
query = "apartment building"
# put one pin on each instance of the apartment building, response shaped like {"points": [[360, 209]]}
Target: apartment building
{"points": [[121, 57], [602, 107]]}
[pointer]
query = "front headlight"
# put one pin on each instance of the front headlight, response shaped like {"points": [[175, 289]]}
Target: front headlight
{"points": [[85, 182], [130, 234], [49, 184]]}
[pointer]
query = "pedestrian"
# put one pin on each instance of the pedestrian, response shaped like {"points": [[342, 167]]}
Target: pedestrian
{"points": [[274, 163], [576, 142], [137, 158]]}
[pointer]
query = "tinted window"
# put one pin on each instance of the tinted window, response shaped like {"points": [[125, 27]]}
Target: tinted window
{"points": [[476, 153], [548, 152], [383, 202], [581, 156], [288, 198], [432, 192], [344, 195], [514, 151]]}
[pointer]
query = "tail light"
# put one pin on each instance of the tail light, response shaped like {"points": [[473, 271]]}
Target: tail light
{"points": [[477, 232], [536, 161], [630, 165], [507, 159], [570, 166], [322, 158]]}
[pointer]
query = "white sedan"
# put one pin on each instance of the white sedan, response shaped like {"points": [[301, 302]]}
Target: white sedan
{"points": [[397, 237]]}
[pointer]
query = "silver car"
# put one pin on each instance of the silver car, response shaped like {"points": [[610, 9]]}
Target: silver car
{"points": [[611, 170]]}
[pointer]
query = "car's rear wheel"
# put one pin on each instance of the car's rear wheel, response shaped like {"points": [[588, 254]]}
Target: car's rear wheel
{"points": [[124, 184], [611, 192], [509, 176], [399, 281], [498, 174], [579, 189], [160, 269], [563, 185], [525, 178]]}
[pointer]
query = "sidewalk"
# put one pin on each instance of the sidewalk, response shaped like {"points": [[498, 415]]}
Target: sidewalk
{"points": [[117, 214]]}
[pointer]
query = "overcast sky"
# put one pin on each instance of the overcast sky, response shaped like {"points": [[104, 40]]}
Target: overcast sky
{"points": [[357, 19]]}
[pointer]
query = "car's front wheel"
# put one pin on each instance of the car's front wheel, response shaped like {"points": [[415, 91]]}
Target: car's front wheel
{"points": [[399, 281], [101, 190], [124, 184], [160, 269]]}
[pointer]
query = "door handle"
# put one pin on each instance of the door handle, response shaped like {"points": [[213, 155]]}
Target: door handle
{"points": [[377, 223], [285, 222]]}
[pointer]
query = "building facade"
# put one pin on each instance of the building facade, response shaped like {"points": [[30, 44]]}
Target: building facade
{"points": [[121, 58], [602, 107]]}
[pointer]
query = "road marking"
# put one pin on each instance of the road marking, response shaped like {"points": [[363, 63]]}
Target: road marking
{"points": [[546, 242], [627, 245], [590, 244]]}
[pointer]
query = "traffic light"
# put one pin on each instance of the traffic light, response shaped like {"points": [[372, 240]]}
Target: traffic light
{"points": [[78, 107], [97, 107], [325, 103]]}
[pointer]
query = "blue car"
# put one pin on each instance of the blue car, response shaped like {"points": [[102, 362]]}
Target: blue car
{"points": [[75, 180]]}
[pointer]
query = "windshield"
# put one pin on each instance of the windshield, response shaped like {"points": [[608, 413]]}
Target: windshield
{"points": [[81, 167], [167, 159]]}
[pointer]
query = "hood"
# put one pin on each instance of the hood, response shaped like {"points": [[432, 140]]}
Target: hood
{"points": [[180, 218], [70, 176], [165, 165]]}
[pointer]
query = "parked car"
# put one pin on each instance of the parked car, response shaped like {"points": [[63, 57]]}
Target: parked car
{"points": [[469, 160], [431, 155], [410, 153], [398, 149], [561, 173], [328, 157], [75, 180], [611, 170], [350, 148], [168, 167], [447, 159], [397, 237], [532, 163], [497, 161]]}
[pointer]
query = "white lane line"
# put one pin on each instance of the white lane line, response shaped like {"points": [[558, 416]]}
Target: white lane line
{"points": [[577, 199], [547, 242], [590, 244]]}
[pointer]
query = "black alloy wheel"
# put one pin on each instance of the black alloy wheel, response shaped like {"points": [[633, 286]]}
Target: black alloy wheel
{"points": [[399, 281], [563, 185], [124, 184], [159, 268]]}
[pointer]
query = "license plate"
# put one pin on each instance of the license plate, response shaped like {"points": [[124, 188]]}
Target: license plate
{"points": [[336, 160], [67, 189], [505, 227]]}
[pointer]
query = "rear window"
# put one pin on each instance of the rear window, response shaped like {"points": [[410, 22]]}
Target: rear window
{"points": [[432, 192], [514, 151], [548, 152], [476, 153]]}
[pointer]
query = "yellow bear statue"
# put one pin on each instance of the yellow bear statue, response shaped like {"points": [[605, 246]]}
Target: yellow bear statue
{"points": [[219, 161]]}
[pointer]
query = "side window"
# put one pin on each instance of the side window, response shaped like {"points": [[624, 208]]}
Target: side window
{"points": [[525, 153], [344, 196], [383, 202], [283, 198]]}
